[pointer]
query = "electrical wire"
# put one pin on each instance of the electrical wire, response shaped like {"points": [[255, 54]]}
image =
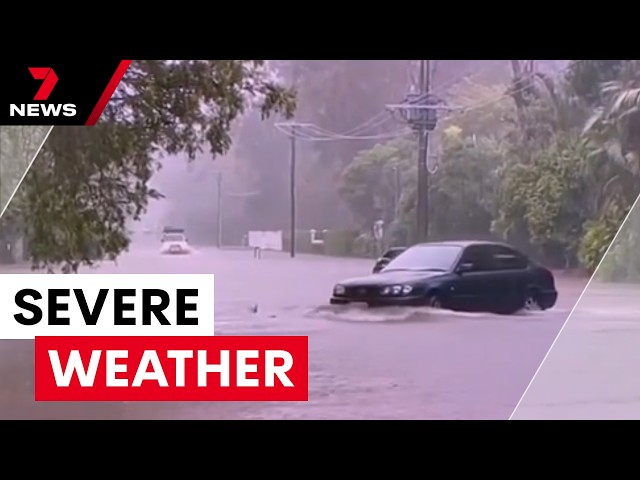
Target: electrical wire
{"points": [[509, 93], [374, 122], [464, 78], [311, 132], [243, 194], [320, 134], [386, 136], [315, 133]]}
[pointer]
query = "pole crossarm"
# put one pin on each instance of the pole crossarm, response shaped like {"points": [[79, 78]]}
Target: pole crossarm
{"points": [[292, 126], [405, 106], [420, 110]]}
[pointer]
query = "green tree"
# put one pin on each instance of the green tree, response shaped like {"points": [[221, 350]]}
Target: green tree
{"points": [[550, 197], [373, 183], [612, 91], [598, 237], [18, 145], [615, 124], [487, 111], [463, 190], [89, 182]]}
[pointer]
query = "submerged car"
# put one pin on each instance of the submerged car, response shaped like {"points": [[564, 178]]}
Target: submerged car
{"points": [[465, 276], [386, 257], [174, 241]]}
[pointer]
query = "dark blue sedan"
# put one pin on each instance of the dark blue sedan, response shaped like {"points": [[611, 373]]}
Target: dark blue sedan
{"points": [[466, 276]]}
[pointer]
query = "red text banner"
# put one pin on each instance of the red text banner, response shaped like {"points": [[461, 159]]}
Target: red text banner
{"points": [[272, 368]]}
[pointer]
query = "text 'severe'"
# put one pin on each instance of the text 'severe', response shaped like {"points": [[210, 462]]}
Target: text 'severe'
{"points": [[154, 302]]}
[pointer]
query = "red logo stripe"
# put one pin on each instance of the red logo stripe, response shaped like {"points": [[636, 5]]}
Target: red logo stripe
{"points": [[49, 80], [108, 92]]}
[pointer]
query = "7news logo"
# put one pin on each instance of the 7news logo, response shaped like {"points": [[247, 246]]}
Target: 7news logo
{"points": [[49, 80]]}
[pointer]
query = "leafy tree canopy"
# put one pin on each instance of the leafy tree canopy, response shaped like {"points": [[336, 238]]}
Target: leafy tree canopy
{"points": [[372, 184], [89, 182], [548, 195]]}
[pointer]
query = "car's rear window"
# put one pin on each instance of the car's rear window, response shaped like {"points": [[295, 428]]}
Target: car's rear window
{"points": [[173, 238], [393, 253]]}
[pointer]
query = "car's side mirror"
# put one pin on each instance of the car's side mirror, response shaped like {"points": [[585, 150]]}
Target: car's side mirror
{"points": [[465, 267]]}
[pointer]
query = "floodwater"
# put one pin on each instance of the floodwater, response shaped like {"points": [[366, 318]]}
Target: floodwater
{"points": [[592, 371], [404, 363]]}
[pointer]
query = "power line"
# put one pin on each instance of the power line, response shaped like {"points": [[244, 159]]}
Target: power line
{"points": [[243, 194], [375, 123], [385, 136], [312, 132], [464, 77], [377, 120], [219, 211], [510, 92], [296, 131], [419, 110]]}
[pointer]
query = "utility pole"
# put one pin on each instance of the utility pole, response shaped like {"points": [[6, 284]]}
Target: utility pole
{"points": [[292, 191], [396, 190], [422, 208], [420, 111], [219, 212], [291, 130]]}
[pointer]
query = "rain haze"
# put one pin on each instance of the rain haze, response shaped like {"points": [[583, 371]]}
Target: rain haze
{"points": [[290, 210]]}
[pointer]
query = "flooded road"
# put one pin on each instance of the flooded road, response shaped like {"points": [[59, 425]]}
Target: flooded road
{"points": [[363, 364], [592, 371]]}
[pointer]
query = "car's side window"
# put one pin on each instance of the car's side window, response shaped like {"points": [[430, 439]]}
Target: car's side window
{"points": [[505, 258], [477, 256]]}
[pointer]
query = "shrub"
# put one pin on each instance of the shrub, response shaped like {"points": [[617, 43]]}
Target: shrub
{"points": [[339, 243]]}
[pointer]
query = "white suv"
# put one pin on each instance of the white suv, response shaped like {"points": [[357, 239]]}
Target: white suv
{"points": [[175, 243]]}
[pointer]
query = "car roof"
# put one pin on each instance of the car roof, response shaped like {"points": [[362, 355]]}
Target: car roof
{"points": [[464, 243]]}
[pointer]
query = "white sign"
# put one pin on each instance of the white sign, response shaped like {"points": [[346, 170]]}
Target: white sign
{"points": [[266, 240]]}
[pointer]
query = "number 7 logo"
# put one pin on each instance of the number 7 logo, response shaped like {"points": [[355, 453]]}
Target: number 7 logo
{"points": [[49, 80]]}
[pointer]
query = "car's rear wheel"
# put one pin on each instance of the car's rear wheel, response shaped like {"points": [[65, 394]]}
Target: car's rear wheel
{"points": [[531, 301], [528, 302], [433, 301]]}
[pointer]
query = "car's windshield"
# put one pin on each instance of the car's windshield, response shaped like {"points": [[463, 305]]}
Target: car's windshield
{"points": [[425, 257], [175, 237]]}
